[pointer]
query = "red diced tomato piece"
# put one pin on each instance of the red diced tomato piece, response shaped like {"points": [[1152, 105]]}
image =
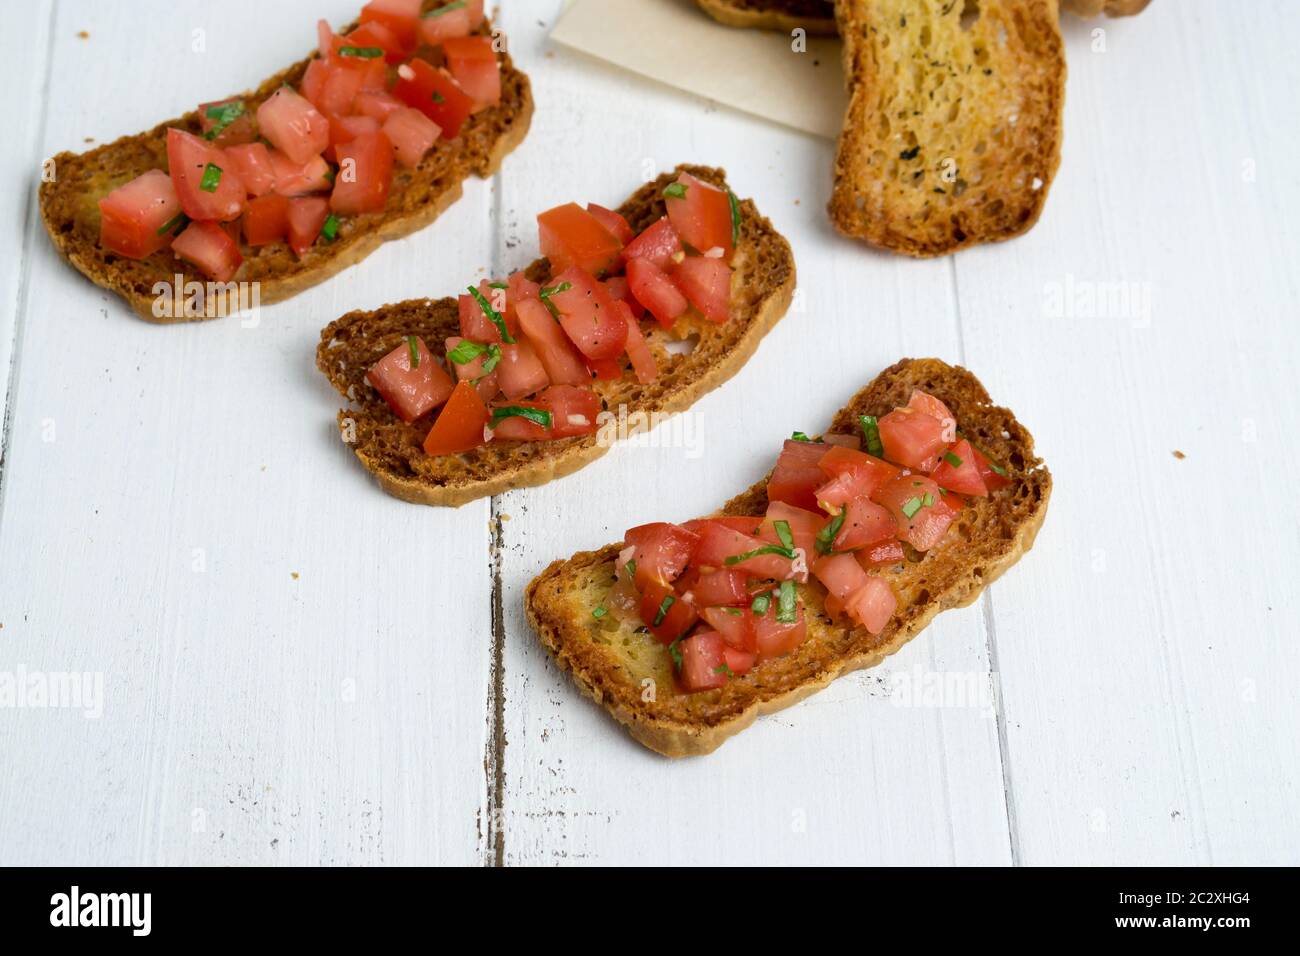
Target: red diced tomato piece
{"points": [[411, 388], [927, 404], [589, 315], [612, 221], [412, 135], [917, 504], [293, 125], [459, 426], [661, 551], [374, 33], [521, 372], [881, 555], [869, 471], [605, 370], [306, 218], [796, 478], [206, 183], [718, 543], [571, 236], [707, 285], [507, 425], [911, 438], [745, 524], [473, 64], [666, 613], [377, 104], [959, 471], [840, 574], [134, 218], [740, 662], [723, 588], [338, 91], [472, 371], [252, 163], [520, 288], [659, 243], [266, 219], [233, 132], [643, 361], [299, 179], [872, 605], [313, 81], [618, 288], [574, 410], [435, 94], [776, 638], [735, 624], [703, 662], [654, 290], [365, 175], [563, 362], [400, 17], [701, 215], [994, 477], [804, 525], [209, 248], [865, 523], [444, 23]]}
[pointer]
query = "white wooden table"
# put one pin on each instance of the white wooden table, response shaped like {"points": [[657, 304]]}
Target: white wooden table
{"points": [[299, 669]]}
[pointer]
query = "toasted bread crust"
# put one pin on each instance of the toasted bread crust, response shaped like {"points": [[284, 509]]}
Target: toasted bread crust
{"points": [[392, 450], [815, 16], [69, 204], [1112, 8], [611, 667], [953, 130]]}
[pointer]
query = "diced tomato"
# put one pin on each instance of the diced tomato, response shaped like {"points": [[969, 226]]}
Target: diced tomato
{"points": [[605, 370], [740, 662], [775, 638], [472, 371], [588, 314], [658, 243], [993, 478], [206, 183], [706, 284], [299, 179], [507, 425], [959, 471], [654, 290], [435, 94], [666, 613], [377, 104], [643, 360], [473, 64], [400, 17], [412, 390], [365, 175], [703, 662], [293, 125], [917, 504], [574, 410], [520, 288], [702, 216], [266, 219], [881, 555], [474, 322], [843, 441], [307, 216], [313, 81], [618, 288], [521, 372], [853, 474], [443, 24], [927, 404], [872, 605], [563, 363], [865, 523], [475, 9], [412, 135], [374, 33], [612, 221], [744, 524], [735, 624], [661, 553], [718, 543], [840, 574], [911, 438], [133, 218], [252, 163], [459, 426], [804, 525], [338, 90], [239, 130], [796, 478], [209, 248], [723, 588], [571, 236]]}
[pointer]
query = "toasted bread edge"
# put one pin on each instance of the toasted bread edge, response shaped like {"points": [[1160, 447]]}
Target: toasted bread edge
{"points": [[729, 15]]}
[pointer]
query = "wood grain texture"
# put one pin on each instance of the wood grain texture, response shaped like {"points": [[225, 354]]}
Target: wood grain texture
{"points": [[1143, 653]]}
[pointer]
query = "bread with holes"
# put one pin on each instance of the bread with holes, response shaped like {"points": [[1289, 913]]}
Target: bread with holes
{"points": [[815, 16], [609, 659], [762, 285]]}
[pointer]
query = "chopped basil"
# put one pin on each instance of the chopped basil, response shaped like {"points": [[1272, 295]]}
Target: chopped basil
{"points": [[827, 535], [997, 469], [735, 218], [871, 435], [724, 669], [331, 174], [331, 228], [787, 611], [211, 178], [413, 344], [800, 436], [599, 612], [458, 5], [675, 191], [927, 501], [438, 97], [492, 314], [630, 567], [759, 552], [675, 653], [761, 603], [783, 534], [364, 52], [172, 224], [224, 114], [493, 359], [952, 459], [734, 611], [466, 352], [664, 607], [535, 415], [911, 507], [546, 293], [498, 285]]}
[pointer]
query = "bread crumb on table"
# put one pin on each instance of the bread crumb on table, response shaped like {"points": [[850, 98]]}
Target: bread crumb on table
{"points": [[83, 34], [1179, 455], [294, 575]]}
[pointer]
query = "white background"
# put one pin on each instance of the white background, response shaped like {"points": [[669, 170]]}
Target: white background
{"points": [[162, 486]]}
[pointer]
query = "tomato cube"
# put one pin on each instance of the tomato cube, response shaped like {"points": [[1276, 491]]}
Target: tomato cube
{"points": [[722, 588], [571, 236], [266, 219], [662, 551], [588, 314], [701, 214], [473, 64], [227, 122], [206, 183], [643, 361], [574, 410], [912, 439], [307, 217], [444, 22], [472, 371], [703, 662], [652, 287], [435, 94], [377, 104], [410, 380], [412, 135], [365, 175], [459, 426], [139, 218], [612, 221], [252, 163], [959, 471], [210, 249], [562, 361], [796, 478], [659, 243], [917, 505], [667, 614], [707, 285], [776, 638], [521, 372], [293, 125], [299, 179], [399, 17]]}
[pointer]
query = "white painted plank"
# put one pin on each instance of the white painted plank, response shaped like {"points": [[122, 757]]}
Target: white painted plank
{"points": [[1147, 647], [295, 666], [848, 776]]}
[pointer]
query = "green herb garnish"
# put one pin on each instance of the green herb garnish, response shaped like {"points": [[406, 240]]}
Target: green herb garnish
{"points": [[675, 653], [735, 218], [800, 436], [438, 97], [761, 603], [630, 567], [534, 415], [498, 285], [211, 178], [364, 52], [331, 228], [911, 507], [784, 535], [927, 501], [546, 293], [466, 352], [223, 114], [664, 606], [871, 435], [724, 669], [759, 552], [786, 608], [413, 344], [458, 5], [172, 224], [827, 535], [492, 314], [675, 191], [954, 460], [599, 612]]}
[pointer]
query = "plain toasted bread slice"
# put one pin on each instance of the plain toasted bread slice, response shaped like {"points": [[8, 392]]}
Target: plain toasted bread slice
{"points": [[953, 130], [761, 289], [69, 204], [611, 662], [815, 16]]}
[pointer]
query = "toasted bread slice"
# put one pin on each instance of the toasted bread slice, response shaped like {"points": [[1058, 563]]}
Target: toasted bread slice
{"points": [[612, 663], [815, 16], [953, 130], [69, 204], [761, 289], [1112, 8]]}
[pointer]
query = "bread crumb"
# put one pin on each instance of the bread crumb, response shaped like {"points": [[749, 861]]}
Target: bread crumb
{"points": [[89, 139], [294, 575], [84, 34], [1179, 455]]}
